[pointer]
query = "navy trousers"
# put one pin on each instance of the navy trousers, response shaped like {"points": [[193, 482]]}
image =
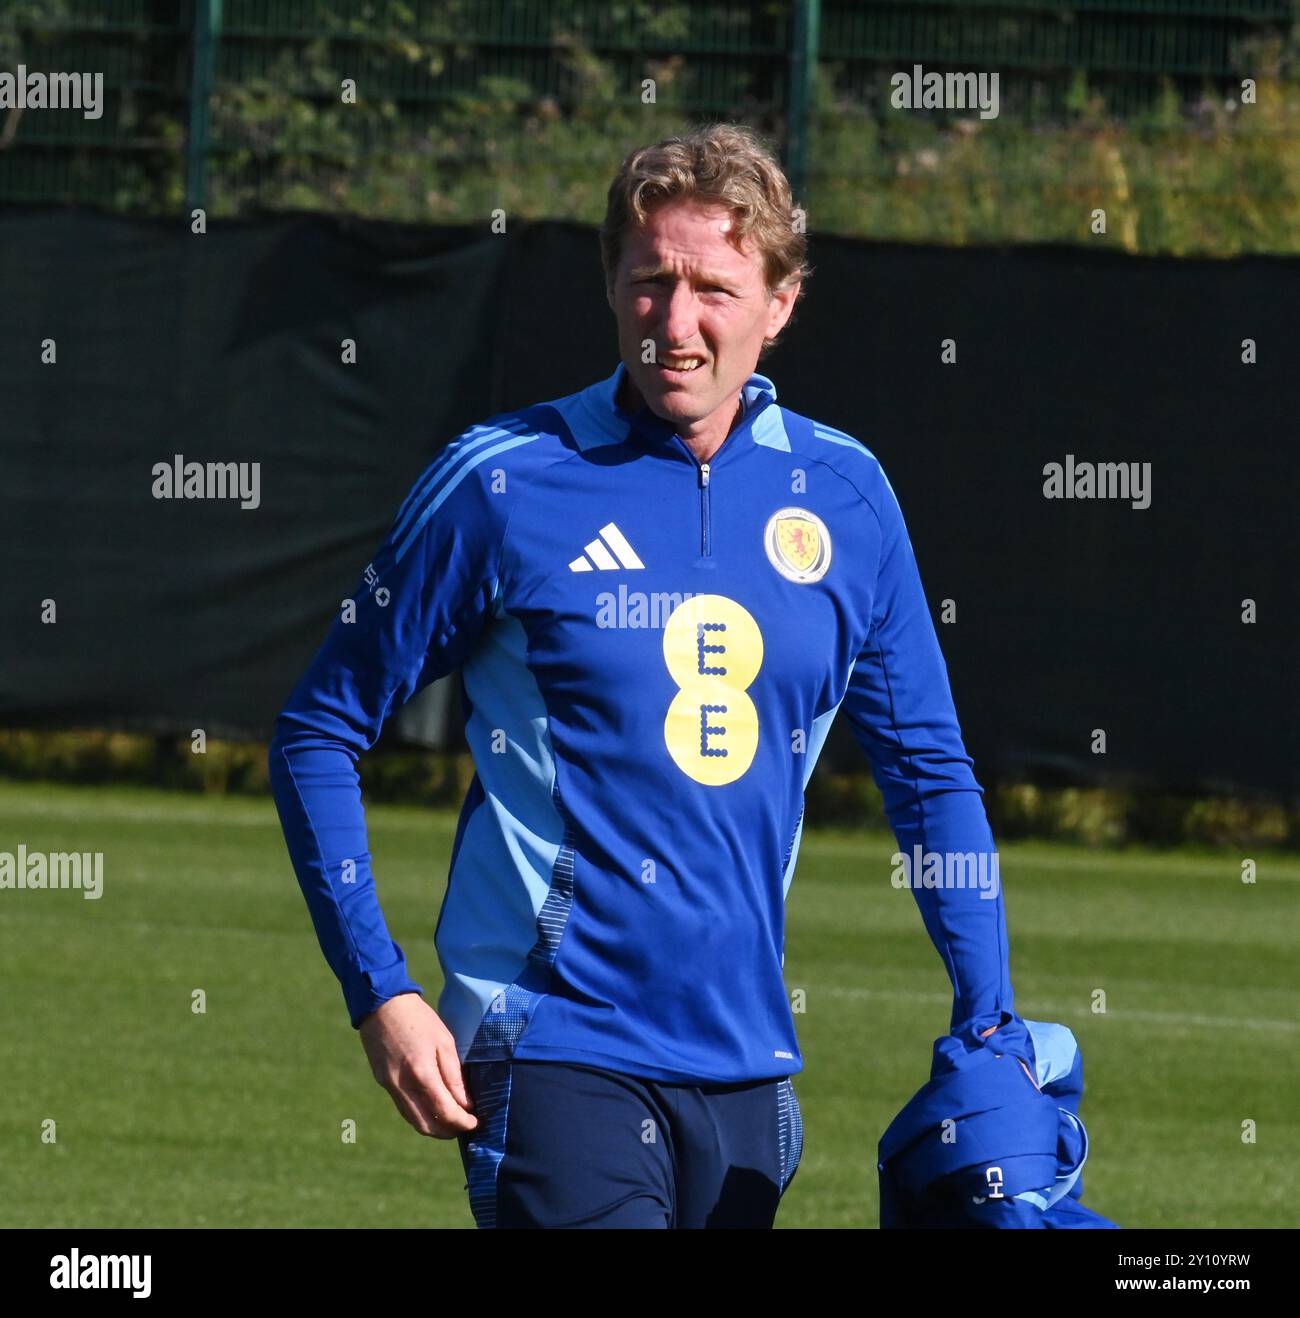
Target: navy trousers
{"points": [[565, 1145]]}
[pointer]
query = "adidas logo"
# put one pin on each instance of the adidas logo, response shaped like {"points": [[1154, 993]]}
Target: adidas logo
{"points": [[608, 554]]}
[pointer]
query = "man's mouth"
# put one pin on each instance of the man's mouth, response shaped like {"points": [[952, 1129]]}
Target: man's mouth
{"points": [[681, 365]]}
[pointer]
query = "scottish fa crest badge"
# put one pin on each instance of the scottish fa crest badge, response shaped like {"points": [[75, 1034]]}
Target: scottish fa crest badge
{"points": [[798, 544]]}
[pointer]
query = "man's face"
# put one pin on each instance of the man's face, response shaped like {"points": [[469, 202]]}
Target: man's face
{"points": [[682, 285]]}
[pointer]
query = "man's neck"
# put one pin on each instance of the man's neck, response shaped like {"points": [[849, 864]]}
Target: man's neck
{"points": [[706, 437]]}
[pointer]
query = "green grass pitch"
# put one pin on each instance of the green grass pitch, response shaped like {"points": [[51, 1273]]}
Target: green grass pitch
{"points": [[233, 1117]]}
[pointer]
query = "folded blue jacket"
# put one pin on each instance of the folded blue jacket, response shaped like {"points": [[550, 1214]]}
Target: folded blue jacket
{"points": [[979, 1147]]}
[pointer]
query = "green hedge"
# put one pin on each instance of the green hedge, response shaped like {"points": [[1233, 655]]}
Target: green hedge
{"points": [[1092, 816]]}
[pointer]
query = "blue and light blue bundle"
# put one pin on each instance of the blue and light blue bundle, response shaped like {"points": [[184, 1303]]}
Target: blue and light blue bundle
{"points": [[979, 1147]]}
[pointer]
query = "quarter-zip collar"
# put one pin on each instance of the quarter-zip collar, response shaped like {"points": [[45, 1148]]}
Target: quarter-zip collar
{"points": [[644, 427]]}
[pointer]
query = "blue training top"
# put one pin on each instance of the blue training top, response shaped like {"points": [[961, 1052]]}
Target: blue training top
{"points": [[652, 650]]}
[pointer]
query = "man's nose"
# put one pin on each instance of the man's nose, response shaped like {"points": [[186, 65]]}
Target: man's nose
{"points": [[681, 315]]}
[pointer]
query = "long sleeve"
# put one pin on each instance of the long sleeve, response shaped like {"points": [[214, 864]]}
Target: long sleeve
{"points": [[420, 606], [901, 710]]}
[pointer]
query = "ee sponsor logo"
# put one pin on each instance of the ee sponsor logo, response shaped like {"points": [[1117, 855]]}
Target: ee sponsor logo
{"points": [[713, 649]]}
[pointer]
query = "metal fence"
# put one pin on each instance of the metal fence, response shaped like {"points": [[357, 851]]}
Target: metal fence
{"points": [[164, 59]]}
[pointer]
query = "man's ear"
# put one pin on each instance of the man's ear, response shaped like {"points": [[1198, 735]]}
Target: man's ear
{"points": [[609, 295], [782, 302]]}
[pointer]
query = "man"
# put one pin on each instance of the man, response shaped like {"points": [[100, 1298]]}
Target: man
{"points": [[659, 590]]}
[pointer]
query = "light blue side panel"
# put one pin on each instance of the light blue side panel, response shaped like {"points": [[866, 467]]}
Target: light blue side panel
{"points": [[816, 740], [508, 853]]}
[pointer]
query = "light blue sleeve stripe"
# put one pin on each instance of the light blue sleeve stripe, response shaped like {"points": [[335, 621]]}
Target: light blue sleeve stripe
{"points": [[443, 469], [446, 490], [830, 431], [837, 438]]}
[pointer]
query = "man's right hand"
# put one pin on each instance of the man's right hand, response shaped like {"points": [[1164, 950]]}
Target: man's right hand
{"points": [[413, 1056]]}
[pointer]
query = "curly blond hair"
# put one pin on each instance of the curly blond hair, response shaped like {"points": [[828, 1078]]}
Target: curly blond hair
{"points": [[721, 164]]}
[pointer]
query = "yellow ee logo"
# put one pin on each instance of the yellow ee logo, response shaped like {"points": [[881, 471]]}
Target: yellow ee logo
{"points": [[713, 649]]}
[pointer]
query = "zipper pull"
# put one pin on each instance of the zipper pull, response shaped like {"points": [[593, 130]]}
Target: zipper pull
{"points": [[704, 475]]}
